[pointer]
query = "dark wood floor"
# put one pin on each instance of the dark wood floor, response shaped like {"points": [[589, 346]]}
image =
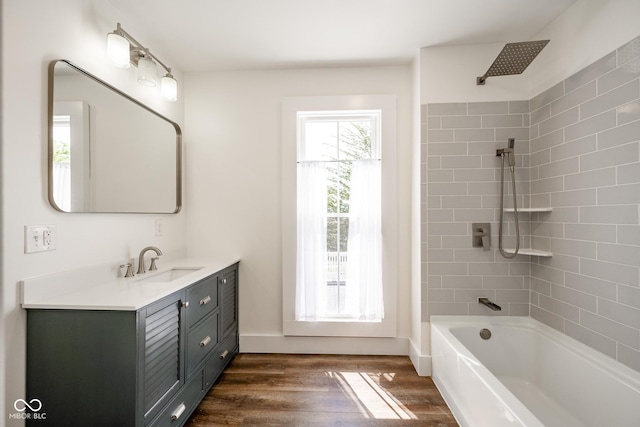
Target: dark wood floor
{"points": [[322, 390]]}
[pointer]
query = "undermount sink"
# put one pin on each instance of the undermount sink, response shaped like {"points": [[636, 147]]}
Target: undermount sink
{"points": [[169, 275]]}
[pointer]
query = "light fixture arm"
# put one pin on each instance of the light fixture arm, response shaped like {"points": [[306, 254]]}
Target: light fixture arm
{"points": [[136, 46]]}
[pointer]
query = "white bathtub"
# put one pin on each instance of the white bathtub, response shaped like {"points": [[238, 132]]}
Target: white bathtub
{"points": [[528, 374]]}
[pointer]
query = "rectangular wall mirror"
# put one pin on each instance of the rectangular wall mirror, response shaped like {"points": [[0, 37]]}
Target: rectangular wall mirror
{"points": [[107, 151]]}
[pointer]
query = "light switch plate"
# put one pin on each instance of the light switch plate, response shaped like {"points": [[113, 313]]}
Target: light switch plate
{"points": [[159, 227], [39, 238]]}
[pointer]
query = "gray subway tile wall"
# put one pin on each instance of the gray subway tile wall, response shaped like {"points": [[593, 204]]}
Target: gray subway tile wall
{"points": [[463, 184], [578, 146]]}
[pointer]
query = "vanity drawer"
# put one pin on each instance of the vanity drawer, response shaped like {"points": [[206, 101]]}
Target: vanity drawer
{"points": [[202, 339], [180, 408], [220, 359], [202, 298]]}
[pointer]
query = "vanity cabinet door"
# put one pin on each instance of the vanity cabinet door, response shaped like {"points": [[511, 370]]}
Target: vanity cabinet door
{"points": [[162, 364], [229, 301]]}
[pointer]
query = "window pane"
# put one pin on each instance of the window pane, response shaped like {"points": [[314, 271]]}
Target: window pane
{"points": [[344, 234], [332, 234], [320, 141], [333, 185], [333, 299], [344, 181], [355, 140]]}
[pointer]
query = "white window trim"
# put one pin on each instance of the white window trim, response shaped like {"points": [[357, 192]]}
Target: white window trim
{"points": [[290, 107]]}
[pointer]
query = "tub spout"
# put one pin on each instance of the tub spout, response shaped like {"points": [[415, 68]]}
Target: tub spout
{"points": [[492, 305]]}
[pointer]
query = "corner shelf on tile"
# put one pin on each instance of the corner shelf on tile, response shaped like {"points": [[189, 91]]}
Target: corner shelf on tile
{"points": [[529, 251]]}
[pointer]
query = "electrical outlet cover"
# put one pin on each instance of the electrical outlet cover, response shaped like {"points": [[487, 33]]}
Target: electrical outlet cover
{"points": [[39, 238]]}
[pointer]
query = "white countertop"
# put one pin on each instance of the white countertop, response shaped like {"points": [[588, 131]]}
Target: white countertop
{"points": [[93, 289]]}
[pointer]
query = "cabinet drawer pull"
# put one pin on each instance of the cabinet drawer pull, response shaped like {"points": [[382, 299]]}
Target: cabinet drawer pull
{"points": [[224, 355], [224, 281], [205, 341], [179, 410], [185, 304], [206, 300]]}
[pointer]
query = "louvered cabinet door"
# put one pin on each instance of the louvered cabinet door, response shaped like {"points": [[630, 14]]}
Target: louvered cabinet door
{"points": [[162, 349], [229, 301]]}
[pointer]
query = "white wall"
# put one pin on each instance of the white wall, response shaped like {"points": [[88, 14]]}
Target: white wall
{"points": [[233, 122], [448, 74], [586, 32], [33, 34]]}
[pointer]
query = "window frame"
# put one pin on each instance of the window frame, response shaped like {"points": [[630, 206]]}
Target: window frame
{"points": [[330, 104]]}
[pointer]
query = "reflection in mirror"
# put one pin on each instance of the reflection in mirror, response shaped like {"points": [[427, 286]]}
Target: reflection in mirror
{"points": [[108, 152]]}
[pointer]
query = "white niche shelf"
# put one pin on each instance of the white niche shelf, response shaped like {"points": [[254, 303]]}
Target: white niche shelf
{"points": [[529, 251], [529, 210]]}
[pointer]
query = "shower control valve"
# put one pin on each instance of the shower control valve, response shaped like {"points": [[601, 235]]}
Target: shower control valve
{"points": [[481, 235]]}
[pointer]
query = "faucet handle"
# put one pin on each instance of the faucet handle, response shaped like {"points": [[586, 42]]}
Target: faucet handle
{"points": [[153, 263], [129, 267], [481, 237]]}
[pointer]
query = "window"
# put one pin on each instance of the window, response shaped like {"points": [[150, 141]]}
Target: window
{"points": [[339, 240], [339, 216], [61, 161], [71, 141]]}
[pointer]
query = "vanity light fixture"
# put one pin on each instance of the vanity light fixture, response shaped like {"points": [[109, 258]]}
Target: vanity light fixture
{"points": [[124, 50]]}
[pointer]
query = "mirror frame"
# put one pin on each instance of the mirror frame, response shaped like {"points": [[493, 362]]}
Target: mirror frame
{"points": [[50, 148]]}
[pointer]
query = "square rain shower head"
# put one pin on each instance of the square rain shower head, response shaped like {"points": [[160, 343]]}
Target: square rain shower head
{"points": [[513, 59]]}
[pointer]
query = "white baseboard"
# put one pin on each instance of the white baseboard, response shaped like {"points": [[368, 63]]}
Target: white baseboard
{"points": [[422, 363], [323, 345]]}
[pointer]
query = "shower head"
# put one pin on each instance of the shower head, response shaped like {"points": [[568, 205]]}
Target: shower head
{"points": [[513, 59]]}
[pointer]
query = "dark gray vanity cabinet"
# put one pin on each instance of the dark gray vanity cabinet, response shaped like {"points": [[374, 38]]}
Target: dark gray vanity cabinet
{"points": [[145, 368]]}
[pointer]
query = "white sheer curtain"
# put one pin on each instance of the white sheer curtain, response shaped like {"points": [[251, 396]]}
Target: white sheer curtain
{"points": [[62, 185], [311, 265], [363, 298]]}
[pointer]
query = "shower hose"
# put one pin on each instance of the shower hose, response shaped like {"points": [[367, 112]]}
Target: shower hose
{"points": [[515, 210]]}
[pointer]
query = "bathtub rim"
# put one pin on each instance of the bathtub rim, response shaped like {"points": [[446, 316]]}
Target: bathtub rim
{"points": [[443, 325]]}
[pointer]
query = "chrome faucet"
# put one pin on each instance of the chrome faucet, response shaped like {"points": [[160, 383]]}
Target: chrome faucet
{"points": [[141, 268]]}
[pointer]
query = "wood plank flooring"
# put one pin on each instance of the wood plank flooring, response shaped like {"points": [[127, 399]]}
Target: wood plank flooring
{"points": [[322, 390]]}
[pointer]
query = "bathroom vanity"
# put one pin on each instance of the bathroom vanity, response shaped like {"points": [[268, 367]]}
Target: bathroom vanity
{"points": [[137, 352]]}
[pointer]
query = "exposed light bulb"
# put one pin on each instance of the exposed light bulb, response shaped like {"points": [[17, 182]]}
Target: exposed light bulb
{"points": [[147, 74], [169, 87], [118, 50]]}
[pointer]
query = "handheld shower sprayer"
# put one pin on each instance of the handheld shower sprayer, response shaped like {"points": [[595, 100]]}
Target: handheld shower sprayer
{"points": [[509, 152], [512, 153]]}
